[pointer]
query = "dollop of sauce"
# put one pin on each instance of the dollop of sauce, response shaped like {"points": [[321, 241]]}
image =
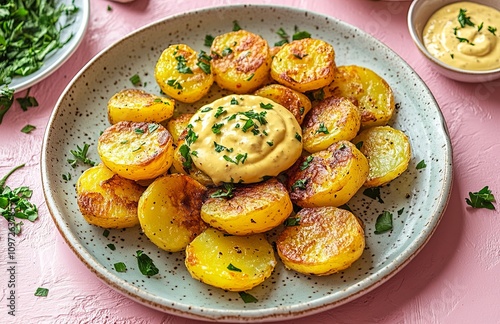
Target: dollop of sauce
{"points": [[465, 35], [243, 139]]}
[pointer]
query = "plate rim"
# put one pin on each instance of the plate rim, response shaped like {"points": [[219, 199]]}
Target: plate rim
{"points": [[128, 290]]}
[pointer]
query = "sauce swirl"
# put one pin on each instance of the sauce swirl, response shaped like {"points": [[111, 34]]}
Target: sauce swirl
{"points": [[464, 35], [243, 139]]}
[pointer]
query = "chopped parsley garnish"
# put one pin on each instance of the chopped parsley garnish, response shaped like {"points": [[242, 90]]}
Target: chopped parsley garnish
{"points": [[209, 39], [234, 101], [66, 176], [373, 193], [135, 79], [174, 84], [481, 199], [226, 192], [480, 26], [359, 145], [247, 298], [42, 292], [28, 129], [204, 62], [383, 223], [138, 131], [226, 51], [182, 66], [220, 111], [492, 30], [301, 35], [298, 137], [105, 233], [152, 127], [27, 101], [80, 155], [239, 158], [266, 106], [191, 136], [463, 19], [111, 246], [421, 165], [299, 184], [306, 163], [206, 109], [231, 267], [29, 32], [146, 265], [322, 129], [236, 26], [292, 221], [14, 203], [6, 100], [270, 143], [284, 37], [216, 128], [185, 153], [120, 267]]}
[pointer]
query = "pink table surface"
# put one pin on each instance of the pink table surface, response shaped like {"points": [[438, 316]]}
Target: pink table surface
{"points": [[454, 279]]}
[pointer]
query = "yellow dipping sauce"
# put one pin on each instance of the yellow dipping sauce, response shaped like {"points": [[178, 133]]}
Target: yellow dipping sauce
{"points": [[465, 35], [243, 139]]}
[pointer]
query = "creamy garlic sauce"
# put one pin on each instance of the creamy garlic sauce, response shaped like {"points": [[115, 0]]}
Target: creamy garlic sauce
{"points": [[243, 139], [473, 46]]}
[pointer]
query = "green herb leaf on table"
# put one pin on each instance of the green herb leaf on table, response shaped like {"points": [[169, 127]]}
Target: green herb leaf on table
{"points": [[481, 199], [15, 204], [42, 292], [27, 129]]}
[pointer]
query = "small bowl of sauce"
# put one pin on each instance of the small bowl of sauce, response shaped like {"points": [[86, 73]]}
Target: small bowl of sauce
{"points": [[460, 39]]}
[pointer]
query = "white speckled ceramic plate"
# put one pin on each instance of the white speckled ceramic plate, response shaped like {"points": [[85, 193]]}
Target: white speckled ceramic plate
{"points": [[417, 199], [55, 59]]}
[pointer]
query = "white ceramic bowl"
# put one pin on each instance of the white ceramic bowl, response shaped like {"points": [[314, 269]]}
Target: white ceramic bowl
{"points": [[419, 13]]}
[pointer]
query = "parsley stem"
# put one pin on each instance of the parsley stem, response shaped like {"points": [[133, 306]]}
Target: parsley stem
{"points": [[5, 177]]}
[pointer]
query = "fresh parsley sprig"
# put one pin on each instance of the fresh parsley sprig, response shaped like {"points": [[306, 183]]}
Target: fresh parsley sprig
{"points": [[15, 204], [481, 199], [80, 155]]}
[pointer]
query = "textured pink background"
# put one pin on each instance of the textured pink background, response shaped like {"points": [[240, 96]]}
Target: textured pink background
{"points": [[454, 279]]}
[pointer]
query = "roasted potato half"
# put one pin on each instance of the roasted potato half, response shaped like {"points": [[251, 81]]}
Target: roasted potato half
{"points": [[107, 200], [367, 90], [240, 61], [235, 263], [304, 65], [249, 209], [177, 125], [136, 151], [331, 120], [326, 240], [183, 163], [388, 152], [183, 74], [296, 102], [329, 177], [169, 211], [139, 106]]}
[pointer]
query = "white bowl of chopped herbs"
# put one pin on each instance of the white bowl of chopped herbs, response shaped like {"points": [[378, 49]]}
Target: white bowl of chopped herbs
{"points": [[36, 38]]}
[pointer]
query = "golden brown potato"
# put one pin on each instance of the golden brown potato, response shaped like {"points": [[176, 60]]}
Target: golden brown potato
{"points": [[367, 90], [235, 263], [183, 163], [251, 209], [184, 74], [304, 65], [177, 125], [139, 106], [107, 200], [329, 177], [330, 121], [136, 151], [240, 61], [326, 240], [298, 103], [169, 211], [388, 152]]}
